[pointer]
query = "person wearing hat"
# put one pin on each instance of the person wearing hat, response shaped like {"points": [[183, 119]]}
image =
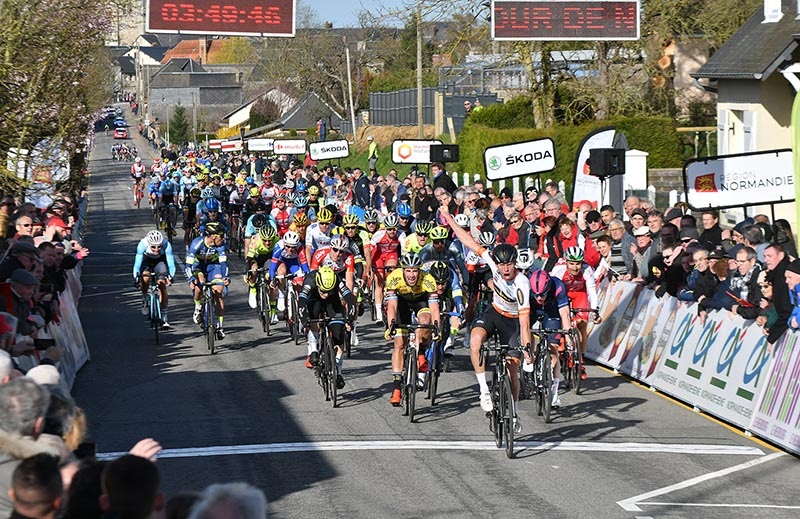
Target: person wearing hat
{"points": [[372, 154], [637, 219], [23, 287], [673, 215], [641, 252], [594, 223], [689, 235], [22, 255]]}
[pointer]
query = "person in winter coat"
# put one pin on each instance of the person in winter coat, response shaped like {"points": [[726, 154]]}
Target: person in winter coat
{"points": [[570, 236]]}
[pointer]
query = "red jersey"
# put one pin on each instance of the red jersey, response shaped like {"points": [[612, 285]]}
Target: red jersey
{"points": [[321, 258], [283, 219], [382, 245]]}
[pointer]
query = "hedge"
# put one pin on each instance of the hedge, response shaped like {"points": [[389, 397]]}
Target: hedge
{"points": [[655, 135]]}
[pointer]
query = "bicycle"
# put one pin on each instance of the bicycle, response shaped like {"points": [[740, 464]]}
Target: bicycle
{"points": [[504, 412], [572, 359], [169, 223], [154, 302], [410, 366], [326, 370], [138, 192], [438, 365], [262, 299], [208, 322], [542, 375]]}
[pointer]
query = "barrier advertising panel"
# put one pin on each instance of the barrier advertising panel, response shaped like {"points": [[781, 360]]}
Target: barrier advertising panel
{"points": [[410, 151], [328, 150]]}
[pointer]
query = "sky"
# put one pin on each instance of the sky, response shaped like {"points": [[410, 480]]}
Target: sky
{"points": [[344, 13]]}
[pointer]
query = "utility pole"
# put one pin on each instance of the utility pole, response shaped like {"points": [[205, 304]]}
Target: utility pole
{"points": [[350, 90], [420, 121], [194, 120]]}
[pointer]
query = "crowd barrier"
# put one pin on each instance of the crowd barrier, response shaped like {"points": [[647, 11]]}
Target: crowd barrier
{"points": [[722, 366]]}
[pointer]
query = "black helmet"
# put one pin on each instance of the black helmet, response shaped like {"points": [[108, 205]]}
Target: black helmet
{"points": [[214, 228], [261, 205], [440, 272], [259, 221], [505, 253]]}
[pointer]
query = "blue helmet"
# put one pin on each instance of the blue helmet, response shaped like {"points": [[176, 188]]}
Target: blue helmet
{"points": [[249, 181], [300, 201], [403, 210], [212, 205]]}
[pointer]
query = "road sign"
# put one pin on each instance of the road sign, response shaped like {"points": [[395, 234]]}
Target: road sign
{"points": [[741, 180], [412, 151], [260, 144], [518, 159], [565, 20], [234, 17], [215, 144], [327, 150], [289, 146], [231, 145]]}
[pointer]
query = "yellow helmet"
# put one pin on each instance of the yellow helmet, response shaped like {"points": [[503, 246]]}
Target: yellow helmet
{"points": [[254, 191], [326, 279], [300, 220], [324, 215], [267, 233], [439, 233], [350, 219], [313, 190]]}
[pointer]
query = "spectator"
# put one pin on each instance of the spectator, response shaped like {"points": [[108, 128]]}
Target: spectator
{"points": [[518, 200], [552, 208], [85, 489], [442, 179], [619, 264], [603, 245], [22, 256], [569, 236], [24, 226], [669, 235], [36, 488], [782, 235], [721, 298], [6, 367], [689, 235], [631, 204], [777, 262], [641, 251], [712, 233], [548, 250], [687, 220], [754, 238], [655, 222], [23, 404], [767, 316], [551, 188], [530, 194], [701, 283], [637, 219], [231, 500], [607, 213], [594, 223], [7, 206], [181, 504], [744, 284], [131, 488], [372, 154], [673, 216], [793, 282]]}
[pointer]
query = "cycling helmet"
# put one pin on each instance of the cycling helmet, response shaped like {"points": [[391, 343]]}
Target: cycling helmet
{"points": [[212, 205], [524, 259], [391, 221], [410, 260], [228, 176], [326, 279], [573, 254], [439, 233], [505, 253], [201, 177], [300, 189], [340, 241], [250, 181], [300, 202], [154, 238], [195, 192], [290, 197], [289, 184], [300, 220], [370, 215], [214, 228], [462, 220], [281, 196], [313, 190], [253, 191], [440, 272], [486, 238], [403, 210], [266, 233], [261, 205], [324, 215], [176, 174], [350, 219], [259, 221], [540, 282], [423, 228], [291, 238], [138, 160]]}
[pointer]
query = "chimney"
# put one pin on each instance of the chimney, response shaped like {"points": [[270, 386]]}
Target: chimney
{"points": [[773, 11], [204, 48]]}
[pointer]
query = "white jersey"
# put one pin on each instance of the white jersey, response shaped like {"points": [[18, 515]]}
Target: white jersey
{"points": [[509, 298], [560, 269], [315, 238]]}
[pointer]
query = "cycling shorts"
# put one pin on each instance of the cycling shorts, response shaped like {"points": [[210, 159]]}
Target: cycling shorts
{"points": [[380, 261], [212, 271], [154, 265], [579, 300], [506, 327], [405, 310]]}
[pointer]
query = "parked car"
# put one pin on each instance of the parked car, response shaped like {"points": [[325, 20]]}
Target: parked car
{"points": [[120, 133]]}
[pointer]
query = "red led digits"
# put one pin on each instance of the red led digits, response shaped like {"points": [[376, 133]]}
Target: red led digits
{"points": [[566, 20], [243, 17]]}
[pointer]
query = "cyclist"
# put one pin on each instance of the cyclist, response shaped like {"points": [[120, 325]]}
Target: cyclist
{"points": [[258, 254], [267, 190], [319, 232], [371, 224], [479, 272], [167, 198], [316, 300], [225, 192], [255, 222], [356, 239], [282, 217], [337, 256], [155, 185], [212, 214], [382, 255], [550, 304], [300, 206], [410, 292], [187, 182], [578, 278], [405, 219], [288, 256], [450, 296], [249, 205], [439, 248], [508, 315], [314, 202], [106, 128], [300, 226], [416, 240], [138, 171], [207, 260], [190, 215], [157, 168], [154, 256]]}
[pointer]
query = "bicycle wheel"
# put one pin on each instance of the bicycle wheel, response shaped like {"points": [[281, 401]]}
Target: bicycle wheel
{"points": [[263, 307], [295, 313], [545, 389], [433, 372], [348, 337], [411, 384], [371, 301], [507, 410], [332, 370], [155, 314], [495, 417], [577, 362], [210, 325], [323, 365]]}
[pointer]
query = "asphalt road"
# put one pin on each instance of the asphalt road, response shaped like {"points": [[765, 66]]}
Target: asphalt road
{"points": [[254, 413]]}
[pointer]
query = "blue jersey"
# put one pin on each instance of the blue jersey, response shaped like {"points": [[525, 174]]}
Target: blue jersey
{"points": [[204, 219], [154, 187], [556, 300], [200, 255], [168, 188], [143, 251], [295, 260], [250, 229]]}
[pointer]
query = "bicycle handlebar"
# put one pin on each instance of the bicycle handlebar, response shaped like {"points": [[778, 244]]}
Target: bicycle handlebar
{"points": [[393, 327], [580, 310], [551, 331]]}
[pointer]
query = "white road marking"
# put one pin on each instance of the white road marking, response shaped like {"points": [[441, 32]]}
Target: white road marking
{"points": [[724, 505], [630, 503], [276, 448]]}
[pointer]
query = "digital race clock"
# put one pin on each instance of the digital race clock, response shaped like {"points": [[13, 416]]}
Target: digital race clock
{"points": [[235, 17], [565, 20]]}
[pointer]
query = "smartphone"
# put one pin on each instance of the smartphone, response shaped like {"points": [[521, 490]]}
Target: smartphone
{"points": [[43, 344]]}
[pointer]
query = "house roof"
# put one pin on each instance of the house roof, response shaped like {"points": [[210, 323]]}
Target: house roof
{"points": [[127, 65], [181, 65], [757, 49], [304, 114], [156, 53], [193, 49], [282, 93]]}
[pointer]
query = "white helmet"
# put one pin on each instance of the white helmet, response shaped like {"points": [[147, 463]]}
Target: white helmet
{"points": [[154, 238], [138, 159], [339, 241], [524, 259], [486, 238], [291, 238], [462, 220]]}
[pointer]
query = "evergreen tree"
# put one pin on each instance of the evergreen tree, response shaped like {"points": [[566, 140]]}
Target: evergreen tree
{"points": [[179, 126]]}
